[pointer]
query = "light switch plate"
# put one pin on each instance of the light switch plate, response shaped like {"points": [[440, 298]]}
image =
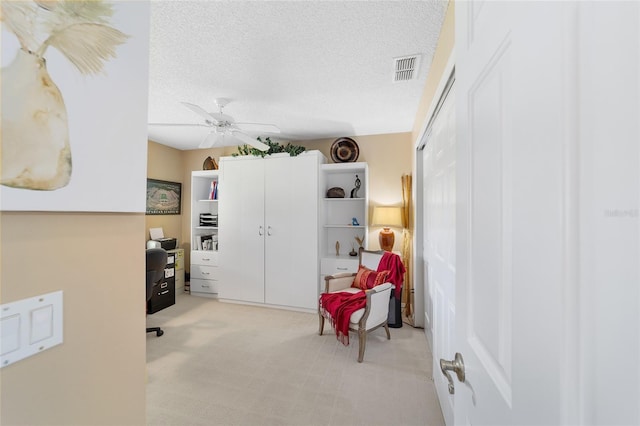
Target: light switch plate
{"points": [[30, 326], [10, 334]]}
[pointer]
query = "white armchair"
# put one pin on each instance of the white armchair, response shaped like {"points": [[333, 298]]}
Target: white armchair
{"points": [[376, 311]]}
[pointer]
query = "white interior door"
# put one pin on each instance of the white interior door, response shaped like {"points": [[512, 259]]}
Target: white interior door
{"points": [[609, 243], [439, 198], [515, 105], [291, 219], [242, 230], [548, 222]]}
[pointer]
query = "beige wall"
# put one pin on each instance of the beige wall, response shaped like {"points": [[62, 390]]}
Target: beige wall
{"points": [[165, 163], [443, 51], [97, 375], [441, 56], [440, 59]]}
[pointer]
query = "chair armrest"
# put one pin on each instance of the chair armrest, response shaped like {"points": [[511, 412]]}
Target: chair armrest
{"points": [[338, 281], [377, 309], [381, 287]]}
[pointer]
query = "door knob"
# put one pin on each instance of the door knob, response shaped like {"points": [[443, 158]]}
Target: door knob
{"points": [[457, 366]]}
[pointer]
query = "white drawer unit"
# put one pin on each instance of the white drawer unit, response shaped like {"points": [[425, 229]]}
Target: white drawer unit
{"points": [[204, 287], [204, 272], [330, 266], [204, 257]]}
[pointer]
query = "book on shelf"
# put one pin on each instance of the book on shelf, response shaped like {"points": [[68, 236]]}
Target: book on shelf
{"points": [[213, 192], [206, 242]]}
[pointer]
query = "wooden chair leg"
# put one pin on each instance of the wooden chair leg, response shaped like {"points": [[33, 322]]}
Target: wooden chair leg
{"points": [[362, 340], [321, 329], [386, 328]]}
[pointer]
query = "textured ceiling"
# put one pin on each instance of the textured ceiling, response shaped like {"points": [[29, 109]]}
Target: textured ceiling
{"points": [[316, 69]]}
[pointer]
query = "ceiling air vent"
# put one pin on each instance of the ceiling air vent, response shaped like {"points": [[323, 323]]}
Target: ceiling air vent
{"points": [[405, 68]]}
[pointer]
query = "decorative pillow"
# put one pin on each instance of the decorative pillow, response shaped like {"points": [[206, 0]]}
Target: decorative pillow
{"points": [[366, 278]]}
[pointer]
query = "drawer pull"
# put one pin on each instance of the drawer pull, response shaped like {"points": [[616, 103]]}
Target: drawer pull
{"points": [[205, 285], [206, 273], [164, 285], [164, 292], [205, 259], [342, 269]]}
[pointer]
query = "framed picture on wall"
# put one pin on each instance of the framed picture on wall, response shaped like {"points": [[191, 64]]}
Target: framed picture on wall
{"points": [[163, 197], [63, 131]]}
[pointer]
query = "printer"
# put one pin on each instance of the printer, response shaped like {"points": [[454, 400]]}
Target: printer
{"points": [[167, 243], [159, 240]]}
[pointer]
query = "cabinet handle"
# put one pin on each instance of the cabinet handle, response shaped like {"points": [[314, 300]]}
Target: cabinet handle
{"points": [[342, 269], [260, 231], [205, 285], [268, 230], [164, 292], [164, 285], [205, 273], [205, 259]]}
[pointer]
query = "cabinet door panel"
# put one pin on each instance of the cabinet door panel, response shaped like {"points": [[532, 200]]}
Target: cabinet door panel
{"points": [[241, 223], [291, 218]]}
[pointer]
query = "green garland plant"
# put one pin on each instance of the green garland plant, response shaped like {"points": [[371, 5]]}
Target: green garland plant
{"points": [[274, 148]]}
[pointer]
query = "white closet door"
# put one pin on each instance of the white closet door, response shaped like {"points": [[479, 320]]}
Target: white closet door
{"points": [[241, 241], [440, 241], [291, 219]]}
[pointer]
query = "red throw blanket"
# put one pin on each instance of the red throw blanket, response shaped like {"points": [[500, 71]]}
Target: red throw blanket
{"points": [[339, 307], [393, 263]]}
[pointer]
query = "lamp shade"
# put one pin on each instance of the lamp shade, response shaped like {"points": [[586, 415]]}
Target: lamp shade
{"points": [[387, 216]]}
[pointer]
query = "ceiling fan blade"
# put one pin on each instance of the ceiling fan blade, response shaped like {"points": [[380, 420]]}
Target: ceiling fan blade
{"points": [[258, 127], [176, 125], [209, 140], [249, 140], [201, 112]]}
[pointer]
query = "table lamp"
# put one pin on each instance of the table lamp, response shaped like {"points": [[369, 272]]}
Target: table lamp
{"points": [[387, 217]]}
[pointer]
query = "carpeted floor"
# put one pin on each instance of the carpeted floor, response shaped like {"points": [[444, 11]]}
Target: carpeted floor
{"points": [[227, 364]]}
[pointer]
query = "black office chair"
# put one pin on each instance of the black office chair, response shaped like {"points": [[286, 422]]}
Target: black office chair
{"points": [[156, 262]]}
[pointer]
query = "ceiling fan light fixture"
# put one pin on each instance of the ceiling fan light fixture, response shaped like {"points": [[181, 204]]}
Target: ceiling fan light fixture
{"points": [[221, 103], [224, 129]]}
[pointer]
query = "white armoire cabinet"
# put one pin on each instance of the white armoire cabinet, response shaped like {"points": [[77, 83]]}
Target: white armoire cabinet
{"points": [[269, 243]]}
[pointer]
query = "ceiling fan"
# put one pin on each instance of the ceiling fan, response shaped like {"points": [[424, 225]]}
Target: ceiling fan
{"points": [[225, 128]]}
